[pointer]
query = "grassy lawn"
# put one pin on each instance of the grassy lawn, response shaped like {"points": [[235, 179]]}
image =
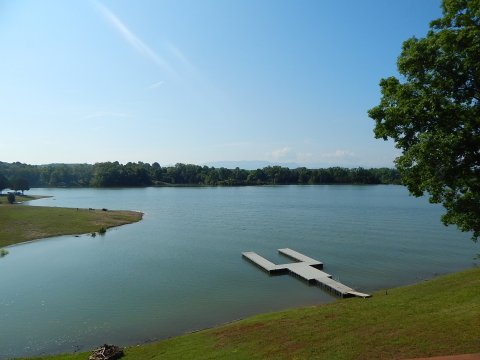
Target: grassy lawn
{"points": [[19, 223], [436, 317]]}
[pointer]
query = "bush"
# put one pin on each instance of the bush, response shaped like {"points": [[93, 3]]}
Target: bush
{"points": [[102, 231], [11, 198], [3, 252]]}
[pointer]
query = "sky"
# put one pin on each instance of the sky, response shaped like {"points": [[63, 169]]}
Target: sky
{"points": [[200, 81]]}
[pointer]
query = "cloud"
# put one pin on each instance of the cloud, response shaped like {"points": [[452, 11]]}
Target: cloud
{"points": [[181, 57], [134, 41], [340, 154], [287, 154], [156, 85], [304, 157], [280, 154]]}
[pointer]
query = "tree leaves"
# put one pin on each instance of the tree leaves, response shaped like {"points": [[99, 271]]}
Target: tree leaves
{"points": [[434, 114]]}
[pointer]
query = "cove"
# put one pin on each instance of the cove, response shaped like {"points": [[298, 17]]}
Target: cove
{"points": [[180, 269]]}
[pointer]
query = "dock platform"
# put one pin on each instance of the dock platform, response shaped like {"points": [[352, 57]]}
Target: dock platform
{"points": [[300, 257], [306, 268], [262, 263]]}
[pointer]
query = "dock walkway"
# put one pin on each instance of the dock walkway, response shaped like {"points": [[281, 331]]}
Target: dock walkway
{"points": [[261, 262], [300, 257], [306, 268]]}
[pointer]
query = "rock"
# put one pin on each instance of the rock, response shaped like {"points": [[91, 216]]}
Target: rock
{"points": [[106, 352]]}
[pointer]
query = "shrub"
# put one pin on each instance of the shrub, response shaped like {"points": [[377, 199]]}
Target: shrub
{"points": [[3, 252], [11, 198], [102, 231]]}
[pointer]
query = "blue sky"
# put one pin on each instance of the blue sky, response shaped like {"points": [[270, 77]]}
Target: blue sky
{"points": [[283, 81]]}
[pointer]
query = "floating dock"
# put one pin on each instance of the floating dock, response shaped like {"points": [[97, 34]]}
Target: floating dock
{"points": [[305, 268]]}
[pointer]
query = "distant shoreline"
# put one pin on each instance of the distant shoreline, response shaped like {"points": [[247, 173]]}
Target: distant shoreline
{"points": [[114, 174]]}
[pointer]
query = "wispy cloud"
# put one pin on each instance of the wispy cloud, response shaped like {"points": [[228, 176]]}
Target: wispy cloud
{"points": [[280, 154], [134, 41], [339, 154], [289, 154], [156, 84], [304, 157], [181, 57]]}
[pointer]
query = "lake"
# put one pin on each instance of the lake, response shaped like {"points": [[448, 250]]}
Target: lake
{"points": [[180, 269]]}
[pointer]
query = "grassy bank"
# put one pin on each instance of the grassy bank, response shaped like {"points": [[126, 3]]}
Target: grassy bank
{"points": [[20, 198], [19, 223], [437, 317]]}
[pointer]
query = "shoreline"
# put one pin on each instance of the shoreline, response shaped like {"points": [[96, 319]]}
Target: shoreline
{"points": [[375, 322], [74, 235], [25, 224]]}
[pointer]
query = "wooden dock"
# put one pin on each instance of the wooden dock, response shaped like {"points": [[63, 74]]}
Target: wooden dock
{"points": [[263, 263], [300, 257], [305, 268]]}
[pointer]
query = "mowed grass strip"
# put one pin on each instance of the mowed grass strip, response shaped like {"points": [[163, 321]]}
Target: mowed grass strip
{"points": [[20, 223], [437, 317]]}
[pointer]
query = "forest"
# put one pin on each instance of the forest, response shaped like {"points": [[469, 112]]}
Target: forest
{"points": [[114, 174]]}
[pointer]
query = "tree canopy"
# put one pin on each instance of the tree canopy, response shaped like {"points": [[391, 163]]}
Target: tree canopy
{"points": [[20, 184], [433, 114], [114, 174], [4, 183]]}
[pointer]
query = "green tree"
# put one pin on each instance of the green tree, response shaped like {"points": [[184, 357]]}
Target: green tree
{"points": [[11, 197], [4, 183], [20, 184], [257, 177], [433, 114]]}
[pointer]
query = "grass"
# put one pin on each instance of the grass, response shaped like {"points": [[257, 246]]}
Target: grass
{"points": [[19, 223], [20, 198], [437, 317]]}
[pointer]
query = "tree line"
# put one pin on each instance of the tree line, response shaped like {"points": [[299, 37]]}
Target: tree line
{"points": [[16, 183], [114, 174]]}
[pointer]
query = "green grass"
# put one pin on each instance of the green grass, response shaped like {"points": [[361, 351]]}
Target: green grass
{"points": [[437, 317], [20, 223], [20, 198]]}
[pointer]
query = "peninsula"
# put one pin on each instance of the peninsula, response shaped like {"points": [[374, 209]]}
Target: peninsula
{"points": [[19, 223]]}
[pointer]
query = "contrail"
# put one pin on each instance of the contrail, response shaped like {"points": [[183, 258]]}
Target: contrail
{"points": [[134, 41]]}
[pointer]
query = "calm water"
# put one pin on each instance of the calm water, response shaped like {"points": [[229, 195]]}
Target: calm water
{"points": [[180, 268]]}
